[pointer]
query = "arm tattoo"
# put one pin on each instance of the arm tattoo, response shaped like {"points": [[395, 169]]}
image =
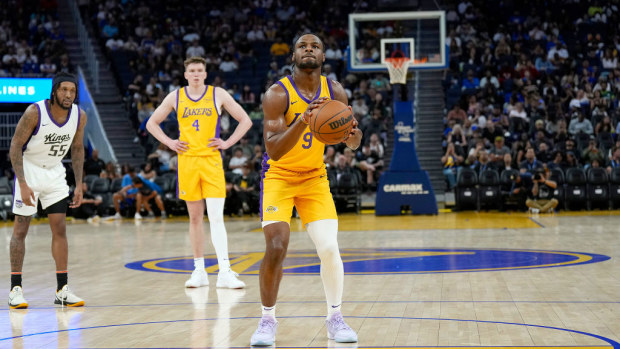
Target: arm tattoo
{"points": [[17, 160], [77, 149], [25, 127], [77, 160]]}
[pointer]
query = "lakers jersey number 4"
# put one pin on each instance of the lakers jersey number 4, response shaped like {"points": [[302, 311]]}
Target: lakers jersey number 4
{"points": [[199, 121], [307, 154]]}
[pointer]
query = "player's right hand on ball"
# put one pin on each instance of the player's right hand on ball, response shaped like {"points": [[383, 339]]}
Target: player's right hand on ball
{"points": [[178, 146], [27, 195], [305, 117]]}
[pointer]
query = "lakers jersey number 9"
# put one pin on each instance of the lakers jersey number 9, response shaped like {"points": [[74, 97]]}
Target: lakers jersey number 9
{"points": [[307, 154], [199, 121]]}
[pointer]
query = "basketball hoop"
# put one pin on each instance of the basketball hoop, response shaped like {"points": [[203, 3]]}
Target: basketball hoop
{"points": [[397, 67]]}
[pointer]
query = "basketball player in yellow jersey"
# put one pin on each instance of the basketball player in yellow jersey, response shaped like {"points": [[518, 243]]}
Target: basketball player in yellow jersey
{"points": [[294, 174], [200, 171]]}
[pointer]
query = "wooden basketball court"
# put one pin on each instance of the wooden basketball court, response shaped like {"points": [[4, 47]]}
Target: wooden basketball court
{"points": [[469, 279]]}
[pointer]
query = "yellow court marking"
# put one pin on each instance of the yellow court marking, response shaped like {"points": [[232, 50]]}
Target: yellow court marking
{"points": [[451, 220], [458, 220], [368, 221]]}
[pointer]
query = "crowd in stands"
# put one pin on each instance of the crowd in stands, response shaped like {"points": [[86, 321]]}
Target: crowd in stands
{"points": [[248, 47], [532, 85], [32, 43]]}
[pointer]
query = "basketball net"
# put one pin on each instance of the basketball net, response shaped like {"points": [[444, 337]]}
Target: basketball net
{"points": [[397, 67]]}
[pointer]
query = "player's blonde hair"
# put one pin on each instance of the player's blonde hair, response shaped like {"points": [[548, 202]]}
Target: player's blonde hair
{"points": [[195, 59]]}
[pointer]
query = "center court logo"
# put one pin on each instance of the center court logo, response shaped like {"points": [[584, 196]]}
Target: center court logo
{"points": [[388, 261]]}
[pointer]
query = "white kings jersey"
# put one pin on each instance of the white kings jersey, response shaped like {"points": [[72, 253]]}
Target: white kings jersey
{"points": [[50, 141]]}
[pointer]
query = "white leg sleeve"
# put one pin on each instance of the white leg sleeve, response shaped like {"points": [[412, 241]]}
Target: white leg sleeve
{"points": [[215, 210], [324, 234]]}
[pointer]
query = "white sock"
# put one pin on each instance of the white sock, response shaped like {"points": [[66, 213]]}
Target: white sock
{"points": [[324, 234], [332, 309], [269, 310], [199, 263], [215, 211]]}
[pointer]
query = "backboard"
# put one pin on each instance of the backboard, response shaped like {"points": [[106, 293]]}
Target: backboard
{"points": [[375, 36]]}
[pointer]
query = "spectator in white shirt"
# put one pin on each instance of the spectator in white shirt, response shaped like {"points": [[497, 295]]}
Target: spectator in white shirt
{"points": [[114, 43], [228, 65], [237, 161], [489, 79], [333, 52], [580, 124], [195, 50], [256, 34]]}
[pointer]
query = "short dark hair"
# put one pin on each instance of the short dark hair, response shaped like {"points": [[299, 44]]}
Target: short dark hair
{"points": [[299, 37], [137, 180]]}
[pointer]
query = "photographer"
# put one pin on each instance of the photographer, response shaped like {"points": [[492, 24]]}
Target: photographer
{"points": [[542, 199], [516, 191]]}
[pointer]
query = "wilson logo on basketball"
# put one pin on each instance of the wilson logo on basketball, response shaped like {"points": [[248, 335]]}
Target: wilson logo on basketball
{"points": [[338, 123]]}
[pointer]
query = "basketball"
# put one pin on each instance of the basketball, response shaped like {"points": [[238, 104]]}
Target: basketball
{"points": [[332, 122]]}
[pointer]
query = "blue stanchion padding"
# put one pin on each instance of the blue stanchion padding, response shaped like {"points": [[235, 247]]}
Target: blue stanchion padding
{"points": [[405, 183], [397, 189]]}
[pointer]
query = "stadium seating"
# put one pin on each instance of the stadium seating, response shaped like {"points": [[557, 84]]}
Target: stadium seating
{"points": [[598, 188], [557, 175], [489, 190], [576, 189], [614, 187], [466, 190]]}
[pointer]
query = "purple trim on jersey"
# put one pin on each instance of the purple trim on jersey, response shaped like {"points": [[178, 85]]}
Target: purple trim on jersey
{"points": [[217, 125], [49, 113], [36, 130], [262, 179], [329, 86], [178, 177], [199, 98], [295, 119], [288, 98], [14, 182], [177, 108], [77, 127], [318, 92]]}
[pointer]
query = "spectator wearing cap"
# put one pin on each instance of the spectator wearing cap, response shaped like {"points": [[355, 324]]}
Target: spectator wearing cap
{"points": [[498, 151], [580, 125]]}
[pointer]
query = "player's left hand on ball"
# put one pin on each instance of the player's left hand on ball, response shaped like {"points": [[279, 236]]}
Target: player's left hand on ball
{"points": [[354, 138], [305, 117], [77, 197], [218, 143]]}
